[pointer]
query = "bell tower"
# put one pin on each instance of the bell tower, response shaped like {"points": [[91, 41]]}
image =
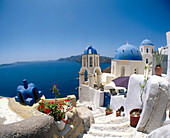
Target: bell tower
{"points": [[146, 49], [91, 64]]}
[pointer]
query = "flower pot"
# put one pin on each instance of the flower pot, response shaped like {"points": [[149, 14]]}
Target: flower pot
{"points": [[158, 71], [109, 112], [134, 116], [60, 124], [118, 113]]}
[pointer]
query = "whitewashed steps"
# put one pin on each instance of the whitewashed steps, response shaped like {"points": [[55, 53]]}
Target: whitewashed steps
{"points": [[110, 120], [99, 133], [109, 127]]}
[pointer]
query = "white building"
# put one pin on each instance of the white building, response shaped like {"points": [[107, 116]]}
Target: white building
{"points": [[146, 49], [91, 64], [165, 49], [127, 61]]}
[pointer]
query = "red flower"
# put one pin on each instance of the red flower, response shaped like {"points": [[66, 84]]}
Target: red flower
{"points": [[52, 102], [65, 121], [41, 106], [67, 100], [47, 111], [70, 108], [38, 107], [62, 119], [60, 106], [56, 85]]}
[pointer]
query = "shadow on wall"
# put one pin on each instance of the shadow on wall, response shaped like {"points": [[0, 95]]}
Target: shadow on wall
{"points": [[165, 64]]}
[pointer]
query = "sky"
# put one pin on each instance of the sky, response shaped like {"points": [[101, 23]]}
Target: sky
{"points": [[50, 29]]}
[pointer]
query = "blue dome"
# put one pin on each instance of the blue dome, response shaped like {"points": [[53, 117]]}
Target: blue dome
{"points": [[127, 52], [146, 42], [90, 50]]}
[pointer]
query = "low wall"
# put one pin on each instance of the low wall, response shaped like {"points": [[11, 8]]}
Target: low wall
{"points": [[37, 124], [61, 100], [89, 94]]}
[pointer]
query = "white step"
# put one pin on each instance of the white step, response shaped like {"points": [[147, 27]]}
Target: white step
{"points": [[96, 112], [99, 115], [89, 136], [111, 120], [123, 127], [99, 133]]}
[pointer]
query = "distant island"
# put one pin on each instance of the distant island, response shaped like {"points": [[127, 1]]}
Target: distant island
{"points": [[77, 58], [15, 63]]}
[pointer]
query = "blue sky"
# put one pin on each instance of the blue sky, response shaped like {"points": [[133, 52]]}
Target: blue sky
{"points": [[50, 29]]}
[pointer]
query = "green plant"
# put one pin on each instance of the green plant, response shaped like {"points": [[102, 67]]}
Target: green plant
{"points": [[101, 87], [142, 86], [56, 91], [158, 58], [108, 109], [57, 111]]}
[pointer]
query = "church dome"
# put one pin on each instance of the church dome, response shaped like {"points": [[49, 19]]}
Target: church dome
{"points": [[146, 42], [90, 50], [127, 52]]}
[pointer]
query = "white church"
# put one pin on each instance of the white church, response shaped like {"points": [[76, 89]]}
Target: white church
{"points": [[127, 60]]}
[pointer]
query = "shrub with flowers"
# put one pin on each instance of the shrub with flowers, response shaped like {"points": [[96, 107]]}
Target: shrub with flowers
{"points": [[57, 111]]}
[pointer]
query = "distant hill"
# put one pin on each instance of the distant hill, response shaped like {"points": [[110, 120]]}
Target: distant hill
{"points": [[78, 59]]}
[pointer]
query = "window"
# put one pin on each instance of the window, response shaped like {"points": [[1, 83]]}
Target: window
{"points": [[123, 71], [152, 50], [91, 64], [147, 50], [146, 61], [84, 61]]}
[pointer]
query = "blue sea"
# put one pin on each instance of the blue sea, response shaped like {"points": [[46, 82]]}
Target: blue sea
{"points": [[43, 74]]}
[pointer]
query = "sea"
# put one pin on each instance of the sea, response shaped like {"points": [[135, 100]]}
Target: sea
{"points": [[43, 74]]}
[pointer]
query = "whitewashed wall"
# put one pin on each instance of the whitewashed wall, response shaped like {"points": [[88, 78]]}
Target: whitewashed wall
{"points": [[89, 94], [133, 96]]}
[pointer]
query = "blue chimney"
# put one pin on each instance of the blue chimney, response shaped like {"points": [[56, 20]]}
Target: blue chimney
{"points": [[25, 83]]}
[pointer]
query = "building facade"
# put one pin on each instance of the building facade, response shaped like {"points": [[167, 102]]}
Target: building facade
{"points": [[91, 65], [146, 49], [127, 61]]}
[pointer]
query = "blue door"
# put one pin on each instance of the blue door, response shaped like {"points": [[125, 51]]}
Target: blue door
{"points": [[107, 97]]}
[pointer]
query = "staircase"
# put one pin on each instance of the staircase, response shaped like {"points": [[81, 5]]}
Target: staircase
{"points": [[109, 126]]}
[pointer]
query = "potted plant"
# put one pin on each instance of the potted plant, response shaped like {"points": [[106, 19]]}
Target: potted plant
{"points": [[108, 110], [158, 58], [113, 92], [101, 87], [118, 112], [57, 111], [134, 116]]}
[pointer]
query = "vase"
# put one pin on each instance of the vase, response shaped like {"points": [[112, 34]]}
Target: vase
{"points": [[118, 113], [134, 118], [108, 113], [60, 124], [158, 71]]}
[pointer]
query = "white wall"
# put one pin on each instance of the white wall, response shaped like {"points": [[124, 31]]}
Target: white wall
{"points": [[147, 55], [89, 94], [129, 65], [168, 44]]}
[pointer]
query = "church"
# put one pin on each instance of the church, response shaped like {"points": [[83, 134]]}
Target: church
{"points": [[127, 60]]}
